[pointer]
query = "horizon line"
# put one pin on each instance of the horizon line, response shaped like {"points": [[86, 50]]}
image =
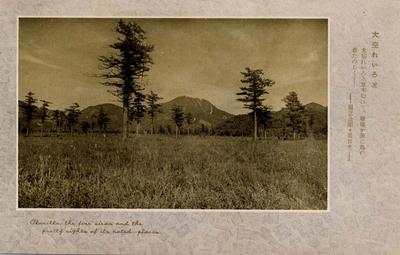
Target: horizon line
{"points": [[197, 98]]}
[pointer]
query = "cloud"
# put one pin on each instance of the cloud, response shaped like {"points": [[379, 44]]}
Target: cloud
{"points": [[28, 57]]}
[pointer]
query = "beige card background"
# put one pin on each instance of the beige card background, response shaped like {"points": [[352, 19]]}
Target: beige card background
{"points": [[364, 200]]}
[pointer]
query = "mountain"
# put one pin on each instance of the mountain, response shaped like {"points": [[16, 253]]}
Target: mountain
{"points": [[318, 118], [114, 113], [202, 111], [314, 107]]}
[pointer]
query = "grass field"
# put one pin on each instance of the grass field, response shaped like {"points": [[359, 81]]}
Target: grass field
{"points": [[164, 172]]}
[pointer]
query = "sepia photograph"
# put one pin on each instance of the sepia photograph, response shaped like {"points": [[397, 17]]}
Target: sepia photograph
{"points": [[173, 113]]}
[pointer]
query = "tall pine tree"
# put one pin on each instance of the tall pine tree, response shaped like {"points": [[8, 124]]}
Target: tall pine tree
{"points": [[129, 62], [252, 94]]}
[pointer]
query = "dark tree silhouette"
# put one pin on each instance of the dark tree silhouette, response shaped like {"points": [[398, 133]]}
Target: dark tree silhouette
{"points": [[178, 118], [189, 121], [43, 114], [252, 94], [29, 109], [203, 129], [169, 129], [138, 109], [264, 118], [102, 120], [295, 113], [58, 117], [309, 126], [123, 69], [72, 113], [153, 107], [85, 126]]}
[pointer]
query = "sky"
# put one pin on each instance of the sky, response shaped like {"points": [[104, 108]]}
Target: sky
{"points": [[201, 58]]}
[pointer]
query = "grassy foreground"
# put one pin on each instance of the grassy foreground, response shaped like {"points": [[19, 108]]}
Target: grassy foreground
{"points": [[164, 172]]}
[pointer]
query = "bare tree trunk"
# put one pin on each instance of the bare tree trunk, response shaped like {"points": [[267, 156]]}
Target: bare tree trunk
{"points": [[255, 125], [125, 123], [152, 126], [137, 128], [294, 134], [27, 131], [104, 130], [176, 131]]}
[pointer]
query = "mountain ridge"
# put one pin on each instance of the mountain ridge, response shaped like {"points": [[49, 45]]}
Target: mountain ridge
{"points": [[203, 112]]}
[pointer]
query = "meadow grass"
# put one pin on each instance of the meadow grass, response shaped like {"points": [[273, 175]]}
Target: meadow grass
{"points": [[191, 172]]}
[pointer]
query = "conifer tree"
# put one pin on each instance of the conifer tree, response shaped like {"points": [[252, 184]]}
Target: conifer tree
{"points": [[178, 118], [43, 114], [189, 121], [153, 107], [253, 91], [72, 114], [129, 62], [295, 114], [29, 109]]}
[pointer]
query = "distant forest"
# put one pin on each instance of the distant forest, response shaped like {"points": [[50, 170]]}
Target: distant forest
{"points": [[107, 118]]}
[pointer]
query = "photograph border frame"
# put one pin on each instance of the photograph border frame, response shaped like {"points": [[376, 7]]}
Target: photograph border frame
{"points": [[154, 210]]}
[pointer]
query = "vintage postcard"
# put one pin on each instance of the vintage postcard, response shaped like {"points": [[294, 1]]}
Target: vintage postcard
{"points": [[173, 113], [199, 128]]}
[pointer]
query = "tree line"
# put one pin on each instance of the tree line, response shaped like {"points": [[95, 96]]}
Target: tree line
{"points": [[68, 119]]}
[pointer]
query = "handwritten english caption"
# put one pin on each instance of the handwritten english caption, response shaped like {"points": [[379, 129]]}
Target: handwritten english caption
{"points": [[91, 227]]}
